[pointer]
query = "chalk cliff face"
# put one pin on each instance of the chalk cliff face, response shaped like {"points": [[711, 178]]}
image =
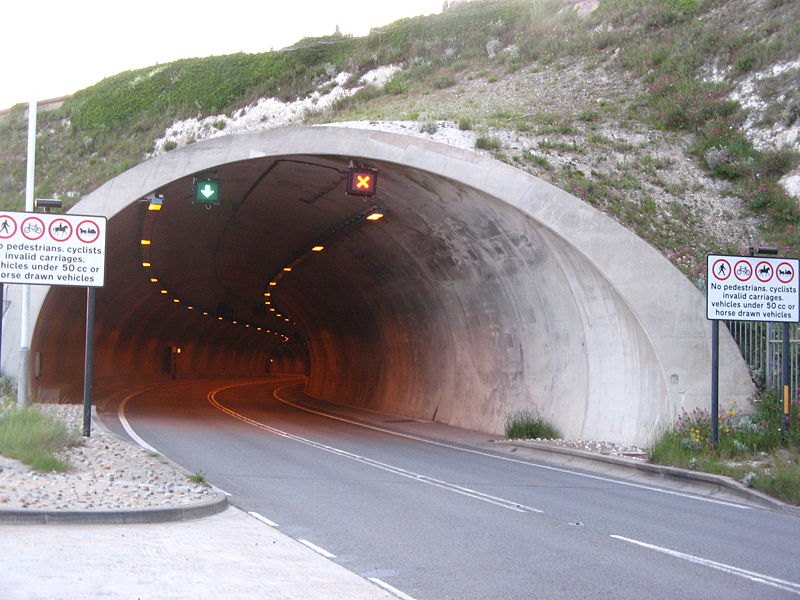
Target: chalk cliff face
{"points": [[582, 7]]}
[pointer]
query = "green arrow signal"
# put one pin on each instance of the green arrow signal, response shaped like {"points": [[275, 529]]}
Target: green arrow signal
{"points": [[208, 191]]}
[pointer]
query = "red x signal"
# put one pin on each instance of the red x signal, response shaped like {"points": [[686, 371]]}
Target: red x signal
{"points": [[361, 181]]}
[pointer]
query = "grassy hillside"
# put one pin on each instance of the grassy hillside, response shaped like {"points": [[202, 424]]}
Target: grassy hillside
{"points": [[663, 113]]}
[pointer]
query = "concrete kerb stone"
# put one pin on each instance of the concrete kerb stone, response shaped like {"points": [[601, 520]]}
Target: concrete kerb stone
{"points": [[117, 517], [663, 471], [216, 504]]}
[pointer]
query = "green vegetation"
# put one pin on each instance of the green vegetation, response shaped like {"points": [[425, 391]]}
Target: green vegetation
{"points": [[751, 447], [34, 438], [528, 424], [682, 57], [200, 478]]}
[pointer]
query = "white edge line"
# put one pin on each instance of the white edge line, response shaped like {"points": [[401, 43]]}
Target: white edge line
{"points": [[316, 548], [136, 438], [262, 518], [220, 490], [782, 584], [389, 588], [127, 426], [508, 459]]}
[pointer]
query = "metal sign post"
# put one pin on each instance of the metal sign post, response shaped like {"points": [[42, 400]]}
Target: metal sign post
{"points": [[88, 367]]}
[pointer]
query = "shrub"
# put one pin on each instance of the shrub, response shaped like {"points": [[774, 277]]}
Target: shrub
{"points": [[528, 424], [486, 142], [429, 127]]}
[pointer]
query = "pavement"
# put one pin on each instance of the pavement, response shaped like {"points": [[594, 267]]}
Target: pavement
{"points": [[216, 550]]}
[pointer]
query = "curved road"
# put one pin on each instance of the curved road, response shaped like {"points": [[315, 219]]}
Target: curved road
{"points": [[450, 521]]}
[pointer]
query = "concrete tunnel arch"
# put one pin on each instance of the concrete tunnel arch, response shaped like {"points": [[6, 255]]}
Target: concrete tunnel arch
{"points": [[484, 291]]}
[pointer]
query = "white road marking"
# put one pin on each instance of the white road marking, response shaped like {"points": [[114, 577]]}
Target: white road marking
{"points": [[262, 518], [316, 548], [389, 588], [507, 459], [782, 584], [127, 426], [445, 485]]}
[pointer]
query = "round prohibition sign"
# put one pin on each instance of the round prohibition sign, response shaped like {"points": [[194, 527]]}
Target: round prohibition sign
{"points": [[743, 270], [60, 230], [721, 269], [8, 227], [785, 272], [764, 271], [32, 228], [88, 231]]}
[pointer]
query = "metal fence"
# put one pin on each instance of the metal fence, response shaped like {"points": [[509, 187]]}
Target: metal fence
{"points": [[761, 345]]}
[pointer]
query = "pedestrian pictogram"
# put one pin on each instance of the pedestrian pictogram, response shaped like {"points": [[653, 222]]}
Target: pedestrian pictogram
{"points": [[8, 227], [722, 269]]}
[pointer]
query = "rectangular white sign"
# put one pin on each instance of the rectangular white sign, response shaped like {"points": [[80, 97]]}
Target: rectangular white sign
{"points": [[52, 249], [753, 288]]}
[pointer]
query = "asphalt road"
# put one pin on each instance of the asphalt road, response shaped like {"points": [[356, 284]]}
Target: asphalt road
{"points": [[445, 521]]}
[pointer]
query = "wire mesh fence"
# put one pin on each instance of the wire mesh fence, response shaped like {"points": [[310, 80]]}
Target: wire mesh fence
{"points": [[761, 345]]}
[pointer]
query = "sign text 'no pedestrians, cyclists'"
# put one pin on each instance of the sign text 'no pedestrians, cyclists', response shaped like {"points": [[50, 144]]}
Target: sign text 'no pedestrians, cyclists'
{"points": [[45, 249], [744, 288]]}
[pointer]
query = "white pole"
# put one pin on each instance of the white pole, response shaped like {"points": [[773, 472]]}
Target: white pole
{"points": [[25, 334]]}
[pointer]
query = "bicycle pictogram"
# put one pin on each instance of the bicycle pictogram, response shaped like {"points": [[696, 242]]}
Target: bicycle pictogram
{"points": [[32, 228]]}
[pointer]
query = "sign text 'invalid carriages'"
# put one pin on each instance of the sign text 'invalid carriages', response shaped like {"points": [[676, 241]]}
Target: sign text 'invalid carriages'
{"points": [[45, 249]]}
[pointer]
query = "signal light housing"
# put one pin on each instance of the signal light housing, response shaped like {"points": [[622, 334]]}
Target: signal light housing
{"points": [[361, 181], [205, 190]]}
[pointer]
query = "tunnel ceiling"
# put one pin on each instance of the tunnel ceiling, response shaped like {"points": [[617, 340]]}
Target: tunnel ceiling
{"points": [[222, 260], [481, 291]]}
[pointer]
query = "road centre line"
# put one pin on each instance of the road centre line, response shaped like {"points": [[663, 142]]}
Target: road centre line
{"points": [[499, 457], [445, 485], [782, 584]]}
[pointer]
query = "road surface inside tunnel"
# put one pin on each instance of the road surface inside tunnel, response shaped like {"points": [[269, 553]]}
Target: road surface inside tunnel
{"points": [[443, 520]]}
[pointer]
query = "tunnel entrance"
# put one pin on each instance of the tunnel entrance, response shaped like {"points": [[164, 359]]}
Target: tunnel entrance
{"points": [[480, 291]]}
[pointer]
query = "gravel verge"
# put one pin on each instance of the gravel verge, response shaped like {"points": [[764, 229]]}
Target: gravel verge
{"points": [[106, 474]]}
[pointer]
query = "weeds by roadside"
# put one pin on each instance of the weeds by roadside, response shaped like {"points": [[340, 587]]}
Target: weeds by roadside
{"points": [[34, 438], [528, 424], [750, 449], [200, 478]]}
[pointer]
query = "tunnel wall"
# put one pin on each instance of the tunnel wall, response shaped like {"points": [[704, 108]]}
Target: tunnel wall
{"points": [[514, 295]]}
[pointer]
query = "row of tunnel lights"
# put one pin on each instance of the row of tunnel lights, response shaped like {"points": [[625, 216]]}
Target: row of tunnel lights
{"points": [[374, 215], [155, 204]]}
